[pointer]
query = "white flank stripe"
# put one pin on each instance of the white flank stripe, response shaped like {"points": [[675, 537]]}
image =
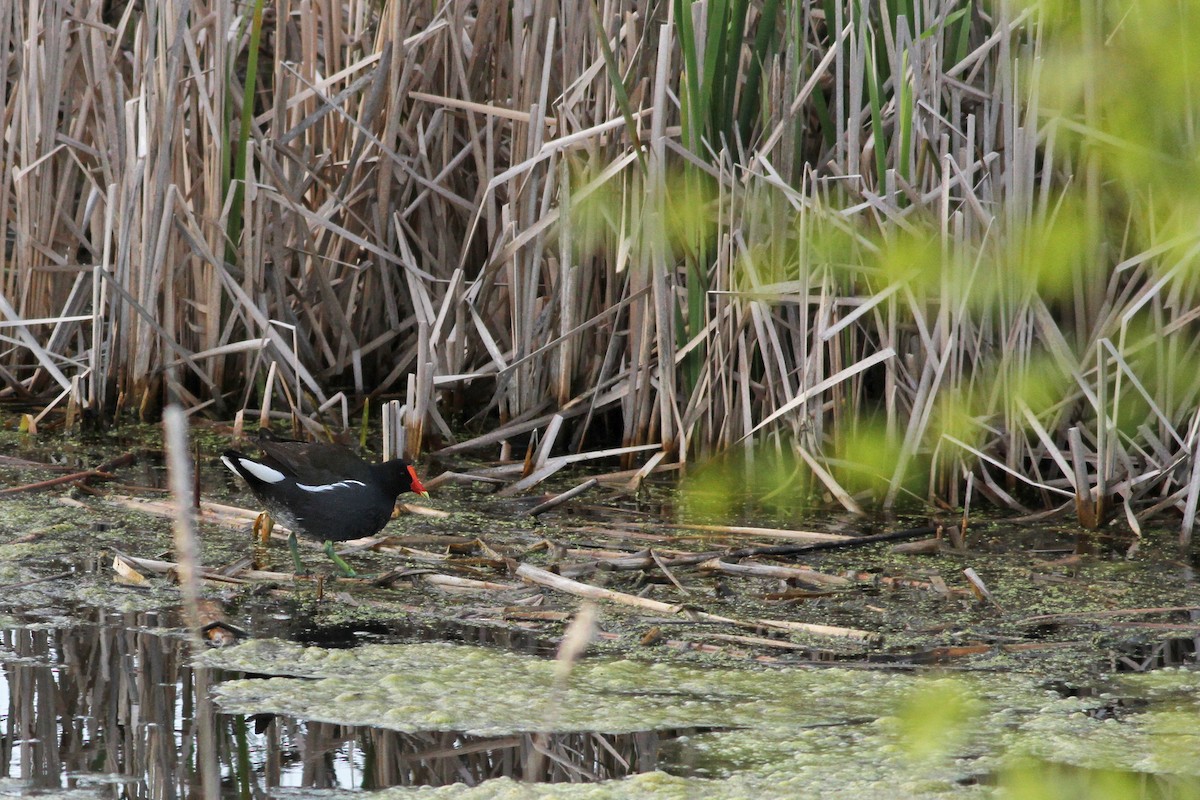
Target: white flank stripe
{"points": [[261, 471], [329, 487]]}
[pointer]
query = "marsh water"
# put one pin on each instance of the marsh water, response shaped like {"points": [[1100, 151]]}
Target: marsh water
{"points": [[1077, 672]]}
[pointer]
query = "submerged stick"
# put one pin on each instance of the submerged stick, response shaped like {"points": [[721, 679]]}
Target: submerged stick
{"points": [[25, 463], [46, 579], [87, 474], [1111, 612], [113, 464], [460, 477], [100, 473]]}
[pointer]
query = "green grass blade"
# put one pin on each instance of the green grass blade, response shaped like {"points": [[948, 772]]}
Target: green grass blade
{"points": [[691, 106], [963, 45], [759, 57], [875, 91], [618, 84], [714, 48], [904, 119], [735, 34], [241, 153]]}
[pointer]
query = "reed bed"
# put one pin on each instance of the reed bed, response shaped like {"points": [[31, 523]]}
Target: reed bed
{"points": [[917, 251]]}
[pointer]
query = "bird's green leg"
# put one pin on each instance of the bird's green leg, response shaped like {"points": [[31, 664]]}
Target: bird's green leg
{"points": [[295, 548], [337, 560]]}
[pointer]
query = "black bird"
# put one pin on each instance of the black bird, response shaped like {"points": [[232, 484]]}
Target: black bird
{"points": [[323, 491]]}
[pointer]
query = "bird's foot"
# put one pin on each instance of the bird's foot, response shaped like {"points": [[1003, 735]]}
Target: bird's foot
{"points": [[263, 524]]}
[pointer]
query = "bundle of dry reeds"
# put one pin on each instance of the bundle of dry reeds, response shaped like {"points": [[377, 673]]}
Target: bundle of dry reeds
{"points": [[855, 236]]}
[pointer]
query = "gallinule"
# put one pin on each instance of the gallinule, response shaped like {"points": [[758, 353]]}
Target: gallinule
{"points": [[323, 491]]}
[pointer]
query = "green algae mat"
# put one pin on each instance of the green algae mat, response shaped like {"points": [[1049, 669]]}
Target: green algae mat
{"points": [[825, 732]]}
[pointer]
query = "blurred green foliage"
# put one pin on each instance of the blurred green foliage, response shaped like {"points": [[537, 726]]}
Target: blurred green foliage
{"points": [[865, 456], [691, 213], [597, 215], [763, 481], [1034, 779], [1038, 382], [1121, 80], [1052, 257], [935, 718]]}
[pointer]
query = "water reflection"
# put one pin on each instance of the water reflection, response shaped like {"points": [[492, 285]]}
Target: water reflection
{"points": [[112, 702], [1145, 656]]}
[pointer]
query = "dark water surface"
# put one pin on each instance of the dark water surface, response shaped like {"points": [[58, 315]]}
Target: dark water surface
{"points": [[111, 702]]}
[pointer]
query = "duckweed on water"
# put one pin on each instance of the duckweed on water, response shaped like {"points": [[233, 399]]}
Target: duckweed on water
{"points": [[780, 730]]}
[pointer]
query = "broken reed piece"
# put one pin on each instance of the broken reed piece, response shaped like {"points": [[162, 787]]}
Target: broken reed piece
{"points": [[460, 477], [768, 533], [809, 576], [126, 572], [757, 641], [558, 500], [651, 637], [658, 562], [979, 587], [420, 511], [456, 583], [544, 578], [159, 567], [958, 536], [921, 547]]}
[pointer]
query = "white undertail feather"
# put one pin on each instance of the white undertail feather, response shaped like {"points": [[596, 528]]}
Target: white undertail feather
{"points": [[261, 471]]}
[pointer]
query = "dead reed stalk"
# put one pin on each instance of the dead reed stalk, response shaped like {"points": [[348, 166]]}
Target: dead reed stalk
{"points": [[653, 223]]}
